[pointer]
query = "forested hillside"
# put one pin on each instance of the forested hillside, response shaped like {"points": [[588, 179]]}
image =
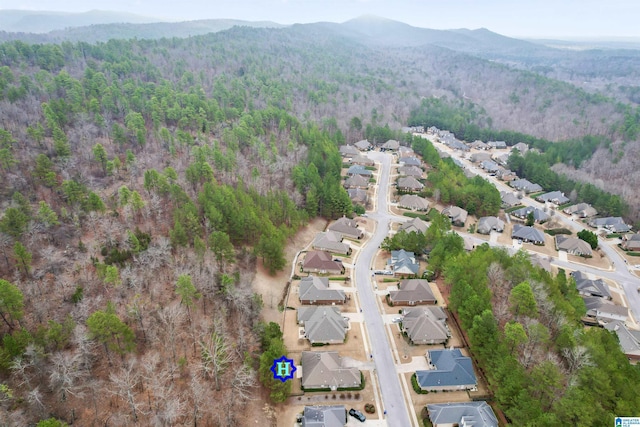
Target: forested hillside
{"points": [[143, 181]]}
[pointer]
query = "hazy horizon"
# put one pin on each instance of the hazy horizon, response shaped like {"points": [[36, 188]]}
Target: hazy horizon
{"points": [[523, 19]]}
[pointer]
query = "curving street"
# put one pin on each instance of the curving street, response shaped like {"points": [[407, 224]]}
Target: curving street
{"points": [[394, 400]]}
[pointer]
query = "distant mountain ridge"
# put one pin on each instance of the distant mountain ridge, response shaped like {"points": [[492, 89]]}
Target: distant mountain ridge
{"points": [[42, 21]]}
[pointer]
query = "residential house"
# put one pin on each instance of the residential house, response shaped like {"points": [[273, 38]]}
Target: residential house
{"points": [[590, 287], [413, 171], [581, 210], [527, 234], [405, 151], [458, 145], [390, 145], [573, 245], [487, 224], [324, 416], [506, 175], [325, 370], [539, 216], [613, 224], [497, 144], [463, 414], [490, 166], [457, 215], [426, 325], [525, 185], [631, 242], [521, 147], [363, 145], [348, 151], [412, 292], [555, 197], [358, 195], [409, 161], [501, 158], [323, 325], [403, 263], [315, 290], [409, 183], [362, 160], [413, 202], [331, 241], [356, 181], [480, 157], [359, 170], [538, 260], [629, 340], [321, 262], [451, 371], [602, 311], [468, 244], [347, 227], [479, 145], [509, 200], [414, 225]]}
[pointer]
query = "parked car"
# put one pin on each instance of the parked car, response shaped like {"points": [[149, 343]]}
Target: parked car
{"points": [[357, 415]]}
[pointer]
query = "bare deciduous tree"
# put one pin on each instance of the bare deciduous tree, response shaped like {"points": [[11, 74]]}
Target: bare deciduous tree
{"points": [[66, 374]]}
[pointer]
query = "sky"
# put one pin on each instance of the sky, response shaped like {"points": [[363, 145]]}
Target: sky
{"points": [[516, 18]]}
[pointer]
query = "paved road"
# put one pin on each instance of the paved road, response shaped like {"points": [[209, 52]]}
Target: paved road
{"points": [[620, 274], [392, 396]]}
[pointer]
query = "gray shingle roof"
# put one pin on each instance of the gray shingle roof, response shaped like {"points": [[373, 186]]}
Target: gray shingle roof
{"points": [[583, 210], [330, 241], [556, 197], [486, 224], [527, 234], [413, 290], [413, 202], [452, 370], [628, 341], [324, 369], [313, 288], [426, 325], [538, 214], [525, 185], [468, 414], [414, 225], [456, 214], [573, 245], [324, 416], [323, 324], [409, 183], [586, 286], [403, 262]]}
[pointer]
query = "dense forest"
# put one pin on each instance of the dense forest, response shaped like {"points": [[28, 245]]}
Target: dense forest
{"points": [[145, 180]]}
